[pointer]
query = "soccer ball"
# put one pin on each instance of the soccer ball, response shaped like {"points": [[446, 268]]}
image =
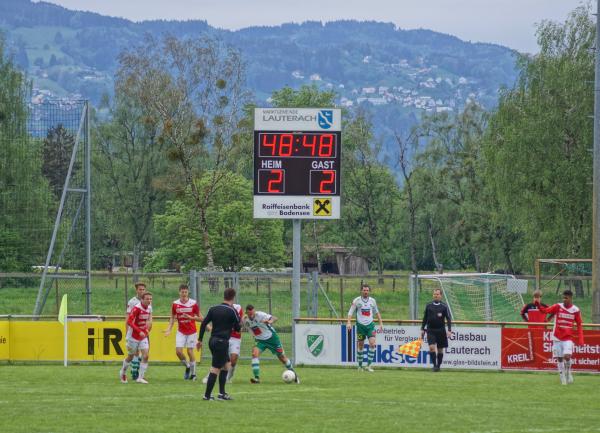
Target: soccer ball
{"points": [[288, 376]]}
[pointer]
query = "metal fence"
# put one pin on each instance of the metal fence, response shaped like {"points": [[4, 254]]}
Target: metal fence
{"points": [[45, 219], [326, 296]]}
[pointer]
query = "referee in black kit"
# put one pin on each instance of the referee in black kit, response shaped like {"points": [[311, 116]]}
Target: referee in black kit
{"points": [[224, 319], [433, 318]]}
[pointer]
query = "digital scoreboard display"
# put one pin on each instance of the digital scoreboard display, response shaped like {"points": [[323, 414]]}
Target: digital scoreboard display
{"points": [[297, 159]]}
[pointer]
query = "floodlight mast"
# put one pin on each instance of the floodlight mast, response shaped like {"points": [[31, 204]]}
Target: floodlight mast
{"points": [[596, 180]]}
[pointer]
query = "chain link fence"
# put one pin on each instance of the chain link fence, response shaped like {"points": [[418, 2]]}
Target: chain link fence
{"points": [[320, 295]]}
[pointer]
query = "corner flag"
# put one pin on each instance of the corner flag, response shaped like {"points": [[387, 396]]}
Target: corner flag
{"points": [[62, 318], [411, 348], [62, 312]]}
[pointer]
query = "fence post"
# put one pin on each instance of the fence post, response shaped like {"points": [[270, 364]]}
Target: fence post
{"points": [[315, 293], [193, 287], [257, 285], [411, 296], [342, 295], [270, 297], [126, 297], [56, 289], [199, 288], [393, 284]]}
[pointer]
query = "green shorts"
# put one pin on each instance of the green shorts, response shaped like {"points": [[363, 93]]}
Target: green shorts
{"points": [[365, 331], [273, 344]]}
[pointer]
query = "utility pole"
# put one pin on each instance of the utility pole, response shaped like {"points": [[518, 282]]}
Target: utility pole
{"points": [[596, 179]]}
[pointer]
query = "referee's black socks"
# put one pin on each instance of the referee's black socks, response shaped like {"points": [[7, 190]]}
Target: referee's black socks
{"points": [[222, 381], [440, 356], [210, 384], [432, 356]]}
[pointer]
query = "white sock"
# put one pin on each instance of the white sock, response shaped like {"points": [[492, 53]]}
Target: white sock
{"points": [[185, 363], [193, 365], [561, 367], [567, 366], [143, 367], [124, 367], [230, 372]]}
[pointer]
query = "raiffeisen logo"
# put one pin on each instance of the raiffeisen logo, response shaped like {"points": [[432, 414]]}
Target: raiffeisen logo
{"points": [[325, 119]]}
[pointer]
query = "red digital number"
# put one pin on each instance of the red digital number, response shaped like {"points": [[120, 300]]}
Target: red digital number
{"points": [[285, 144], [274, 185], [311, 145], [326, 145], [326, 186], [272, 144]]}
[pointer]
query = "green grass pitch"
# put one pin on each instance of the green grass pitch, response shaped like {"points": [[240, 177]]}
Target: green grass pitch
{"points": [[89, 398]]}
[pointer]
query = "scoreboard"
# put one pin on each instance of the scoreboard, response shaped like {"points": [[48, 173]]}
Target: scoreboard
{"points": [[297, 157]]}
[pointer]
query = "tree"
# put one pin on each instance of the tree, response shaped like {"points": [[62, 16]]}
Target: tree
{"points": [[24, 206], [193, 91], [537, 159], [56, 152], [132, 163], [450, 169], [239, 239], [407, 171], [370, 193]]}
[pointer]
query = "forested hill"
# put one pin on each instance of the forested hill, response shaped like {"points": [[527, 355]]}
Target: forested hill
{"points": [[397, 73]]}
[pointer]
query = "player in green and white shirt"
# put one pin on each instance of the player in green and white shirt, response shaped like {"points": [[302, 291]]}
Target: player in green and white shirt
{"points": [[265, 337], [365, 308]]}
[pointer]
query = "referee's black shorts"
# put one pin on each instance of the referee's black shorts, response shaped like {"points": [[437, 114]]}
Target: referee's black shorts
{"points": [[219, 347], [437, 337]]}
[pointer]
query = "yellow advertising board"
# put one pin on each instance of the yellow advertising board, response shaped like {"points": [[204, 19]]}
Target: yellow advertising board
{"points": [[87, 341], [4, 341]]}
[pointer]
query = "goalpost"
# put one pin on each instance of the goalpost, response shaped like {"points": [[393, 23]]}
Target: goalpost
{"points": [[472, 296]]}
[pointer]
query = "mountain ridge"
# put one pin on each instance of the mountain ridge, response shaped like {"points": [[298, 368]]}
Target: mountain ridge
{"points": [[395, 73]]}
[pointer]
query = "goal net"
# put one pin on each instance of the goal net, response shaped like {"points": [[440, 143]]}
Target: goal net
{"points": [[555, 275], [476, 297]]}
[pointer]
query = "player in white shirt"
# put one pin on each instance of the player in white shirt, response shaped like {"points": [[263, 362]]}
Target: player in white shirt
{"points": [[365, 308], [140, 289], [265, 337]]}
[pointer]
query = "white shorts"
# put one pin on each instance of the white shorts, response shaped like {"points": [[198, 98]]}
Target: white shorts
{"points": [[182, 340], [234, 345], [562, 348], [133, 345]]}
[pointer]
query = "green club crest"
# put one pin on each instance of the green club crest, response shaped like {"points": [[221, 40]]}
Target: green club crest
{"points": [[315, 344]]}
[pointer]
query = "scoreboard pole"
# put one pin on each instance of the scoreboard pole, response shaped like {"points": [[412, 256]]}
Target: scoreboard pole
{"points": [[296, 263]]}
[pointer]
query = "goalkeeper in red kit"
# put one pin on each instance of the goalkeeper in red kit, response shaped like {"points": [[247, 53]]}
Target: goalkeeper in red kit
{"points": [[563, 334]]}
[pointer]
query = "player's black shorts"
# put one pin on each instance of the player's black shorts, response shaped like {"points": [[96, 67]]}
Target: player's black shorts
{"points": [[437, 337], [219, 347]]}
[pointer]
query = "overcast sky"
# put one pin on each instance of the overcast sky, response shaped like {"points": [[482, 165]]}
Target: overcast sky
{"points": [[507, 22]]}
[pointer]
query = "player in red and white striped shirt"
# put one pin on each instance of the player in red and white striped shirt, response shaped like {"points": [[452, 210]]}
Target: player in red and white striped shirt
{"points": [[140, 324], [563, 334], [187, 312]]}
